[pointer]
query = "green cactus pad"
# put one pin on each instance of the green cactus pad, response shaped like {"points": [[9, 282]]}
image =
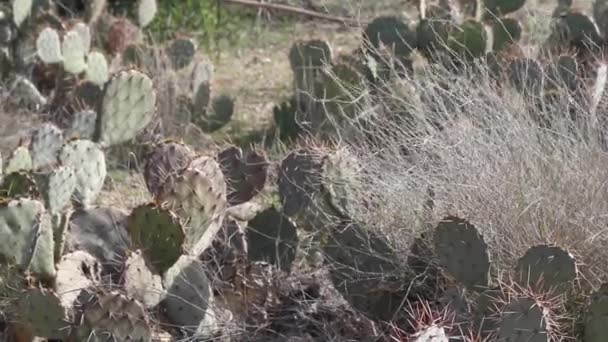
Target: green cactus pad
{"points": [[272, 237], [576, 30], [112, 316], [311, 53], [27, 93], [506, 32], [140, 283], [76, 272], [165, 160], [98, 71], [57, 187], [89, 164], [198, 196], [84, 32], [45, 144], [596, 318], [19, 227], [48, 46], [42, 264], [158, 233], [82, 125], [101, 232], [18, 184], [468, 40], [299, 180], [220, 113], [21, 10], [181, 52], [127, 107], [498, 8], [523, 319], [526, 75], [189, 295], [245, 175], [284, 115], [391, 32], [20, 160], [462, 251], [42, 311], [564, 71], [546, 268], [74, 52], [146, 10], [94, 10]]}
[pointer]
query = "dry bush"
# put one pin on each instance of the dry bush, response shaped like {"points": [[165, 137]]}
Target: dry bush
{"points": [[481, 149]]}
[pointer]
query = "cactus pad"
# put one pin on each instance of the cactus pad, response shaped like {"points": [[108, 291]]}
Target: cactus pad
{"points": [[158, 233], [272, 237], [146, 10], [220, 113], [181, 52], [20, 160], [188, 294], [45, 145], [526, 75], [245, 175], [140, 283], [44, 313], [165, 160], [82, 125], [89, 164], [21, 10], [523, 319], [462, 251], [19, 227], [98, 70], [42, 264], [57, 188], [576, 30], [198, 196], [468, 40], [48, 46], [506, 31], [391, 32], [84, 32], [546, 268], [299, 180], [127, 107], [76, 272], [498, 8], [74, 52], [596, 322]]}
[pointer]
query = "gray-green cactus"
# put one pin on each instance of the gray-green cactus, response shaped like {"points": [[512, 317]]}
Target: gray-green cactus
{"points": [[158, 233], [546, 268], [217, 116], [165, 161], [19, 226], [526, 76], [76, 272], [340, 177], [181, 52], [392, 33], [74, 52], [189, 296], [245, 174], [575, 30], [198, 196], [43, 312], [45, 144], [140, 282], [506, 32], [98, 70], [89, 164], [42, 264], [19, 160], [57, 187], [82, 125], [462, 251], [48, 46], [272, 237], [523, 319], [596, 317], [127, 107]]}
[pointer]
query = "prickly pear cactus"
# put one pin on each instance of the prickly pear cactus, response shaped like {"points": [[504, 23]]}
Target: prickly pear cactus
{"points": [[462, 251], [82, 125], [74, 52], [98, 70], [272, 237], [43, 312], [506, 32], [19, 160], [245, 175], [146, 10], [546, 268], [216, 117], [434, 333], [499, 8], [340, 176], [42, 264], [45, 144], [48, 46], [76, 272], [89, 164], [115, 317], [19, 226], [127, 107], [596, 322], [198, 196], [181, 52], [523, 319], [299, 180], [189, 299], [163, 162], [140, 282], [57, 187], [391, 32], [21, 10], [307, 59], [158, 233], [526, 75]]}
